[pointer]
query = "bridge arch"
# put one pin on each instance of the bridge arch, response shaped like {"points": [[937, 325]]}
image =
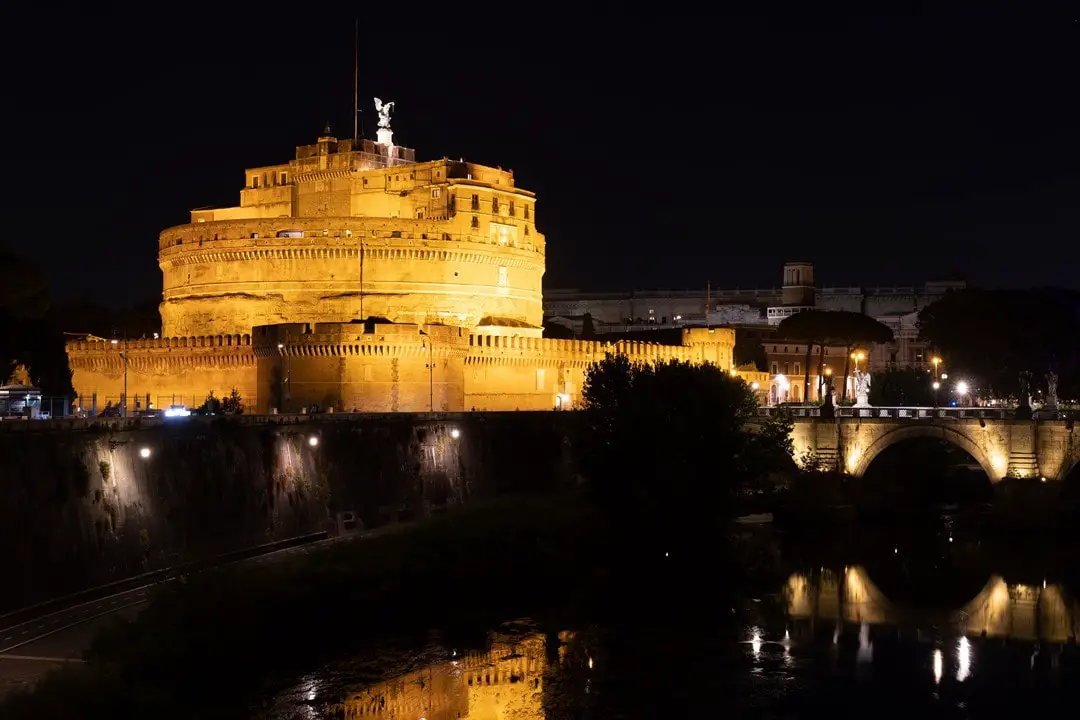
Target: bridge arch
{"points": [[857, 459]]}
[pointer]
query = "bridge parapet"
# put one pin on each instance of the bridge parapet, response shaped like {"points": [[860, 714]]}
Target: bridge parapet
{"points": [[1043, 448]]}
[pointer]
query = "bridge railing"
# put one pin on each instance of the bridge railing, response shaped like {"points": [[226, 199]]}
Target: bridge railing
{"points": [[893, 413]]}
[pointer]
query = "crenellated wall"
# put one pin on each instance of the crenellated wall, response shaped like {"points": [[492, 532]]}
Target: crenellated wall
{"points": [[163, 371], [374, 367]]}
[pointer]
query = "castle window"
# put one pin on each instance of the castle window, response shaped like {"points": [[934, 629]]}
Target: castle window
{"points": [[254, 181], [435, 192], [774, 369], [420, 213], [365, 181], [494, 206], [475, 202], [284, 178], [797, 370], [526, 212], [475, 220], [254, 235], [511, 208], [526, 230]]}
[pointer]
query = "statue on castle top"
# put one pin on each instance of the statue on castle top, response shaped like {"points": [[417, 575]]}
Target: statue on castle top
{"points": [[384, 112]]}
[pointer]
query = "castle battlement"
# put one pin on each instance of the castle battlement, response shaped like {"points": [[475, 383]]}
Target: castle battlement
{"points": [[353, 277]]}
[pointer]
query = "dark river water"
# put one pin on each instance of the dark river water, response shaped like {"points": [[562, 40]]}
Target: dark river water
{"points": [[918, 624]]}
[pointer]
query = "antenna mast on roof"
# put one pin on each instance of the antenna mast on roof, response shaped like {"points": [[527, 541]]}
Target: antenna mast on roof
{"points": [[356, 83]]}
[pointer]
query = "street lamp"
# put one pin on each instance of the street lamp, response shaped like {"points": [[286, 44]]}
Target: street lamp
{"points": [[962, 390], [937, 386], [123, 395], [936, 361]]}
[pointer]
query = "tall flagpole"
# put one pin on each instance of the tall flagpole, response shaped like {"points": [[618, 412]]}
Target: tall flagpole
{"points": [[356, 84]]}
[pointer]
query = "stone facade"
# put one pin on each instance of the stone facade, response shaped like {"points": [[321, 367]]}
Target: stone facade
{"points": [[1004, 448], [354, 278]]}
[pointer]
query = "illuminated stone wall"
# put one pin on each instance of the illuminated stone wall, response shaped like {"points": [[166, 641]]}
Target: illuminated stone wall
{"points": [[342, 232], [380, 367], [1003, 448], [443, 259], [83, 506]]}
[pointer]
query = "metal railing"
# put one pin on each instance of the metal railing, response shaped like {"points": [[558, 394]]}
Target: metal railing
{"points": [[913, 413]]}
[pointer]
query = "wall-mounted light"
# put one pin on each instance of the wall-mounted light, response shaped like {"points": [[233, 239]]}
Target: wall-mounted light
{"points": [[144, 452], [313, 441], [455, 433]]}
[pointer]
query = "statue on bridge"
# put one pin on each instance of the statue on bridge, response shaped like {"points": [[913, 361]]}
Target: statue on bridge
{"points": [[1023, 407], [1051, 391], [862, 388]]}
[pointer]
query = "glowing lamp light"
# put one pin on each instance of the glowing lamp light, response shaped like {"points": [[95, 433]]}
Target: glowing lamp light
{"points": [[962, 387], [755, 386], [936, 385], [313, 441], [782, 382], [177, 411], [144, 452], [944, 376], [114, 342], [455, 433]]}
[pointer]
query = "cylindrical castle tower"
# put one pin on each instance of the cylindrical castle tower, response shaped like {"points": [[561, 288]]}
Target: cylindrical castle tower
{"points": [[349, 231]]}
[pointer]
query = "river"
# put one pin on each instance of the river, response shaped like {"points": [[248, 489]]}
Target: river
{"points": [[900, 623]]}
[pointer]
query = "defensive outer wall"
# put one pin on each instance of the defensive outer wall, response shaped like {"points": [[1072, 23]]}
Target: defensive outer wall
{"points": [[358, 367]]}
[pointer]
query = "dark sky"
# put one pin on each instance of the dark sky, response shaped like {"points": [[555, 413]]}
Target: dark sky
{"points": [[666, 150]]}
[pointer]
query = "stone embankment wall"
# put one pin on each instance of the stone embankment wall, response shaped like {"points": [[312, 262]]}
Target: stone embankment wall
{"points": [[89, 502]]}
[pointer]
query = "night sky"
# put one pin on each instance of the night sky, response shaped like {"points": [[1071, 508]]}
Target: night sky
{"points": [[665, 150]]}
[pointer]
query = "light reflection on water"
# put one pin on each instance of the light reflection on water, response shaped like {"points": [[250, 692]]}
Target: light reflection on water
{"points": [[830, 626]]}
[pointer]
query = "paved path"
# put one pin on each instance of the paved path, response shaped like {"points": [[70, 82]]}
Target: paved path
{"points": [[31, 648]]}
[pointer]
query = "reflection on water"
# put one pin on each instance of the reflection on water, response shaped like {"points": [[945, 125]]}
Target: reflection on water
{"points": [[1000, 609], [823, 642], [507, 680]]}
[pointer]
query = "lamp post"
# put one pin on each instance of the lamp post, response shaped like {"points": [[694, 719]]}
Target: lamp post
{"points": [[123, 393], [937, 386]]}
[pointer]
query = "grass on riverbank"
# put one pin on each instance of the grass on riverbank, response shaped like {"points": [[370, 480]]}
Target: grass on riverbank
{"points": [[203, 649]]}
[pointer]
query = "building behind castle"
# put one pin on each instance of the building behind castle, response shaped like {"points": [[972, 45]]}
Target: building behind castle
{"points": [[354, 277]]}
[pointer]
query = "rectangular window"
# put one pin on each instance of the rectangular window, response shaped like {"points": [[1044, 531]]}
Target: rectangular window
{"points": [[284, 178], [774, 369], [435, 192], [511, 208], [254, 181], [786, 370], [475, 221], [495, 206], [526, 212], [475, 202], [797, 370]]}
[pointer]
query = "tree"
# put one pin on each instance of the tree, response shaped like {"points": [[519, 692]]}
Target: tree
{"points": [[811, 327], [988, 337], [20, 376], [820, 327], [233, 405], [211, 406], [667, 445]]}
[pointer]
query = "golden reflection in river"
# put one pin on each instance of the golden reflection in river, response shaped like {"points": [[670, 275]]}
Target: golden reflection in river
{"points": [[505, 682], [1026, 612]]}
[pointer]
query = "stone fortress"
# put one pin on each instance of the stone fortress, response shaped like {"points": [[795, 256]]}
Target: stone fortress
{"points": [[355, 278]]}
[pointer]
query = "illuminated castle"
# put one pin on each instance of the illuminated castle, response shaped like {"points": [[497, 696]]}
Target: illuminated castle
{"points": [[353, 277]]}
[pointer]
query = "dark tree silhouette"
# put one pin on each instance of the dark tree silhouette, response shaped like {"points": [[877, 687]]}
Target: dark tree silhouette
{"points": [[820, 327], [668, 445], [988, 337]]}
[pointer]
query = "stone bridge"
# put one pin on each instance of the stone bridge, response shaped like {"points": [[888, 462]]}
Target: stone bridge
{"points": [[1002, 443]]}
